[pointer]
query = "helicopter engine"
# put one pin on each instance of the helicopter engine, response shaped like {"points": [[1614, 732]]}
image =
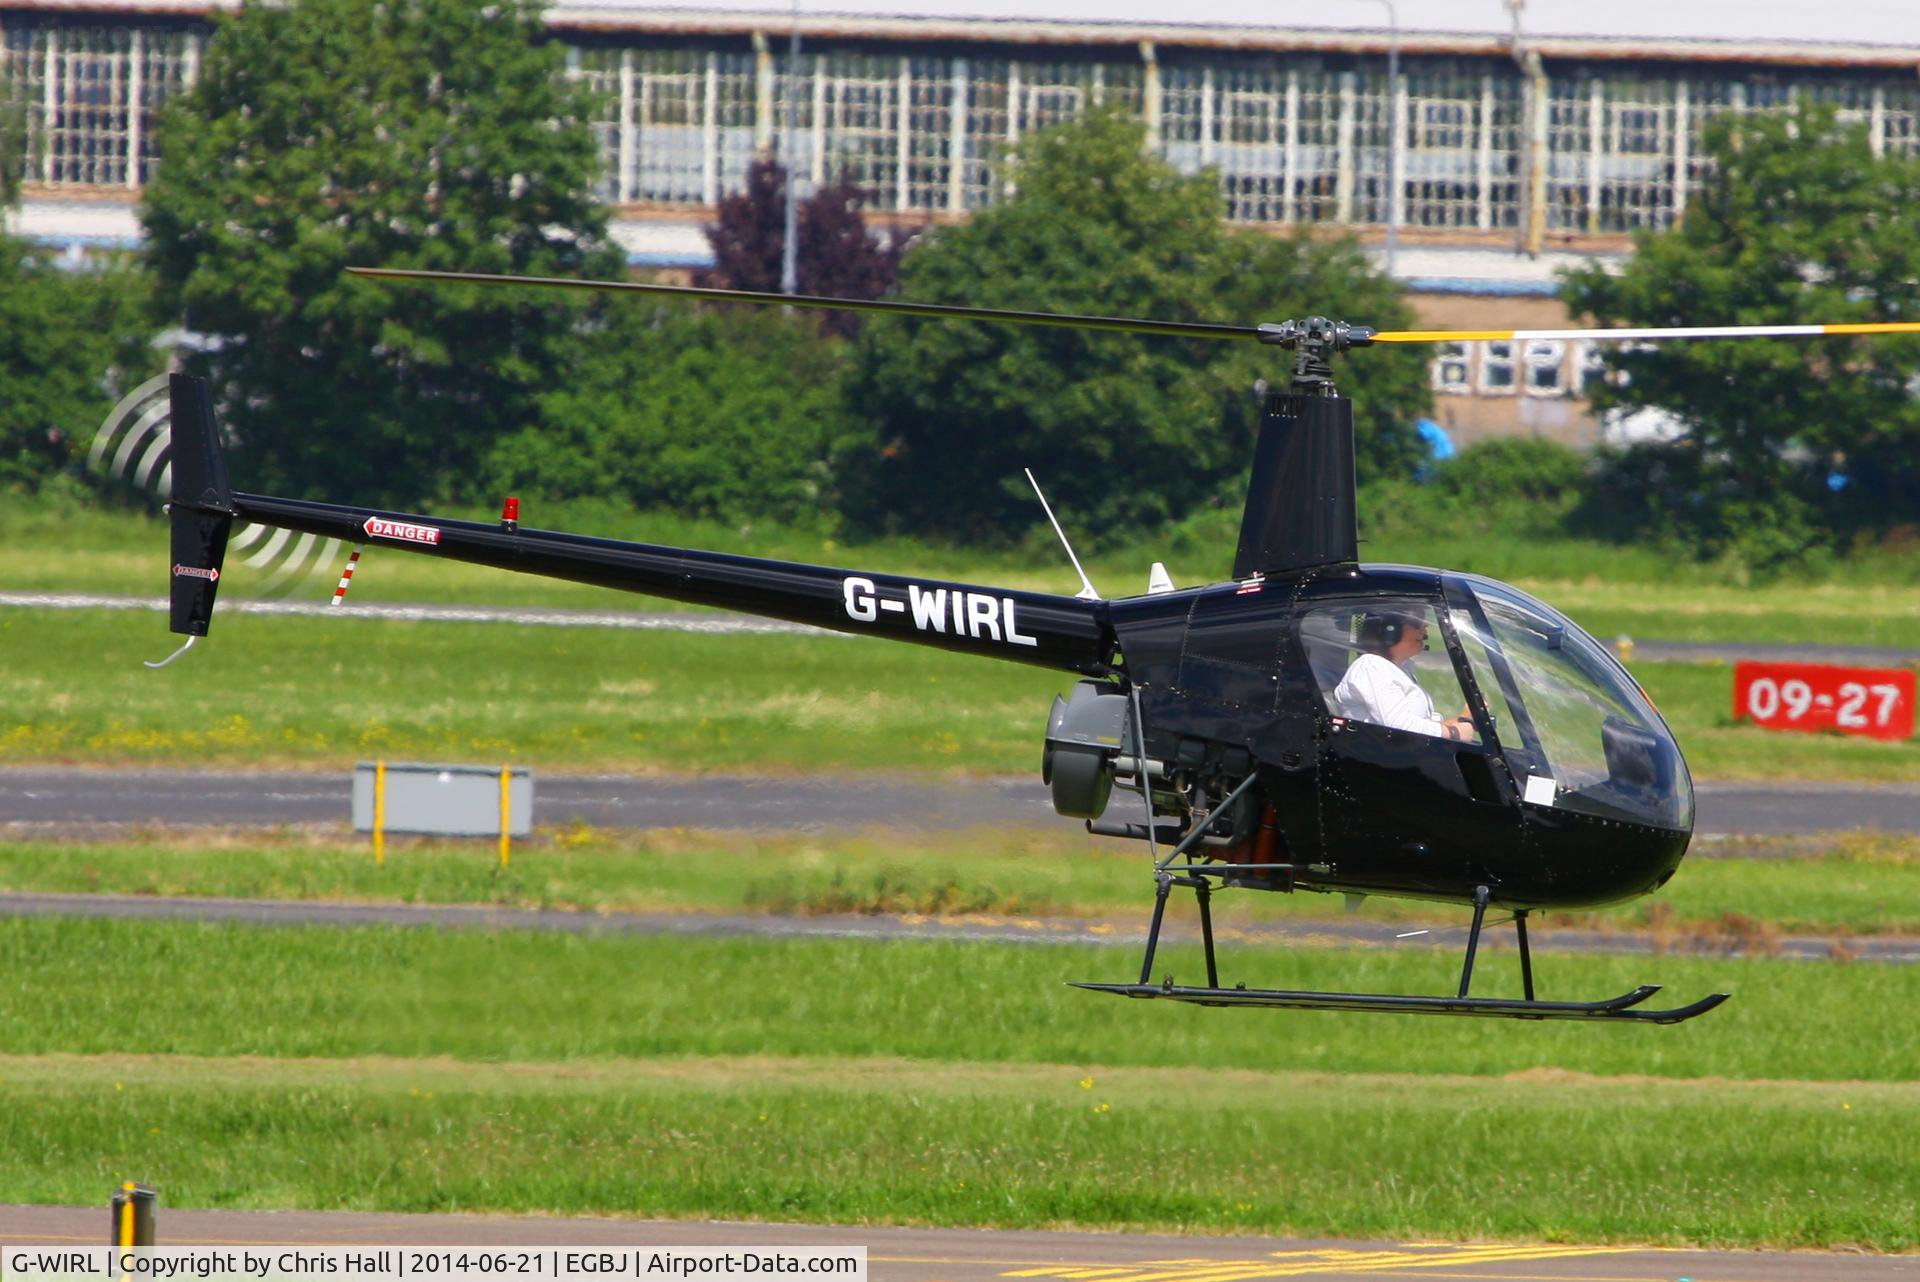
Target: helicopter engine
{"points": [[1090, 748]]}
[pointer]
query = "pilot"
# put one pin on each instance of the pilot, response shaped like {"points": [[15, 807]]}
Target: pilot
{"points": [[1379, 687]]}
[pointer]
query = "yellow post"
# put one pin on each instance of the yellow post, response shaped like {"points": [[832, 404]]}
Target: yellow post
{"points": [[506, 816], [379, 812], [132, 1219]]}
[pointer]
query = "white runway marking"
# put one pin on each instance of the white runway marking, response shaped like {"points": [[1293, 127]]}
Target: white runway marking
{"points": [[720, 624]]}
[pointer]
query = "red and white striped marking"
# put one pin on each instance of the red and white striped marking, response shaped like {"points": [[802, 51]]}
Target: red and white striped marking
{"points": [[346, 577]]}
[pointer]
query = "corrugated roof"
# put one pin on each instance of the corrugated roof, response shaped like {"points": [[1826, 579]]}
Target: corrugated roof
{"points": [[629, 16], [585, 15]]}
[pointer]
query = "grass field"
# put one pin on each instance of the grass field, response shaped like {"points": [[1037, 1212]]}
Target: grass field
{"points": [[905, 1081], [942, 1083], [103, 987], [1548, 1155], [1611, 591], [1755, 892], [300, 692], [286, 692]]}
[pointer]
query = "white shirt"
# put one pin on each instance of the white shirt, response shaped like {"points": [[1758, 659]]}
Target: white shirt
{"points": [[1377, 690]]}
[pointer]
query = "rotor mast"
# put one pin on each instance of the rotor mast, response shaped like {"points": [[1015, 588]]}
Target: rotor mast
{"points": [[1313, 342], [1301, 511]]}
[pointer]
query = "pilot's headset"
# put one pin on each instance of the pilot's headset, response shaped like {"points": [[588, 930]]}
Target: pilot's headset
{"points": [[1381, 630]]}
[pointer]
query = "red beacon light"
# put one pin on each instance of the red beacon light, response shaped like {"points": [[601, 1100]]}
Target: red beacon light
{"points": [[510, 514]]}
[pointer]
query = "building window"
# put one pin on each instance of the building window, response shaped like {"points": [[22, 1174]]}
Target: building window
{"points": [[1452, 369], [1496, 369], [1589, 360], [1546, 367]]}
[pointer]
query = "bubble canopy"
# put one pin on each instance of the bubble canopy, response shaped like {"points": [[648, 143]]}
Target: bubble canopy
{"points": [[1566, 710]]}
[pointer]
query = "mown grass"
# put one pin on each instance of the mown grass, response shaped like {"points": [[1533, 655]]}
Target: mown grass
{"points": [[1547, 1155], [1611, 591], [940, 1083], [1696, 699], [271, 691], [1758, 890], [89, 986], [286, 691]]}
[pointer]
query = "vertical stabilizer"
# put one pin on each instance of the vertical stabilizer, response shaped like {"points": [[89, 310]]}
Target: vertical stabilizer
{"points": [[1300, 505], [201, 507]]}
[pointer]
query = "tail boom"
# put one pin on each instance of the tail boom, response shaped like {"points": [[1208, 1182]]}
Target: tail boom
{"points": [[1058, 632]]}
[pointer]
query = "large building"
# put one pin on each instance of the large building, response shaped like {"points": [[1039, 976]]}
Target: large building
{"points": [[1489, 164]]}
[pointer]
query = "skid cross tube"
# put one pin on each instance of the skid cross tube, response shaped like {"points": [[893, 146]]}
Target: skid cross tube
{"points": [[1481, 895], [1628, 1007], [1153, 931], [1167, 879], [1526, 957], [1203, 892]]}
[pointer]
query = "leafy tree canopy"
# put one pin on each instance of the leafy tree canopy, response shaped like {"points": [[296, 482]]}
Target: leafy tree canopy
{"points": [[1799, 222], [13, 139], [402, 133], [1123, 431], [723, 413], [72, 342], [837, 255]]}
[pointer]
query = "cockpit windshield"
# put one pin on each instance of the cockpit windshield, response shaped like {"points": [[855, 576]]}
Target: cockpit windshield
{"points": [[1569, 716]]}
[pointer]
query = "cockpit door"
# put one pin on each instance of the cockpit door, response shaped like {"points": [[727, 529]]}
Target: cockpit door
{"points": [[1411, 787]]}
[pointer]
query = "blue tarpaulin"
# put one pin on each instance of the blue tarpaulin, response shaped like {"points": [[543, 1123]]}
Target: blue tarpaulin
{"points": [[1439, 444]]}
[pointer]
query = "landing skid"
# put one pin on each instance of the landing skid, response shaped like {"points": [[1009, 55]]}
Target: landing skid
{"points": [[1625, 1007], [1614, 1008]]}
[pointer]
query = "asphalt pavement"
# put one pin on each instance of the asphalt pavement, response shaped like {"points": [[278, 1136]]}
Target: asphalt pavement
{"points": [[41, 797], [988, 1255]]}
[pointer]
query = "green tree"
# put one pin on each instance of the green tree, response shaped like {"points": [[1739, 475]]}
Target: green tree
{"points": [[13, 145], [72, 339], [1124, 431], [72, 342], [724, 413], [400, 133], [1798, 223]]}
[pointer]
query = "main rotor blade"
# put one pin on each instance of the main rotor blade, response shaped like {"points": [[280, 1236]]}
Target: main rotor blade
{"points": [[1643, 335], [1173, 329]]}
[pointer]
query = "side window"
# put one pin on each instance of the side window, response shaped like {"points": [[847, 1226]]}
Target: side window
{"points": [[1383, 662], [1504, 726]]}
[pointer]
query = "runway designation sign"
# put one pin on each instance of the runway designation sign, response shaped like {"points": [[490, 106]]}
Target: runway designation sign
{"points": [[1877, 702], [439, 1263]]}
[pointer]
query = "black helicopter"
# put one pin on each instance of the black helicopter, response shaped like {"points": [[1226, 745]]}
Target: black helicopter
{"points": [[1279, 731]]}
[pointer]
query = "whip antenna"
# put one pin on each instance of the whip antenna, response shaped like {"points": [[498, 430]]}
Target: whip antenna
{"points": [[1087, 591]]}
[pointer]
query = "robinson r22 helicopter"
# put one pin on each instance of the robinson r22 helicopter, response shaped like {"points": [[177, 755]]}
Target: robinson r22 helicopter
{"points": [[1225, 710]]}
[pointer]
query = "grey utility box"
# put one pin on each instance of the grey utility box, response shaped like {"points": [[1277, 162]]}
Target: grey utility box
{"points": [[445, 801]]}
